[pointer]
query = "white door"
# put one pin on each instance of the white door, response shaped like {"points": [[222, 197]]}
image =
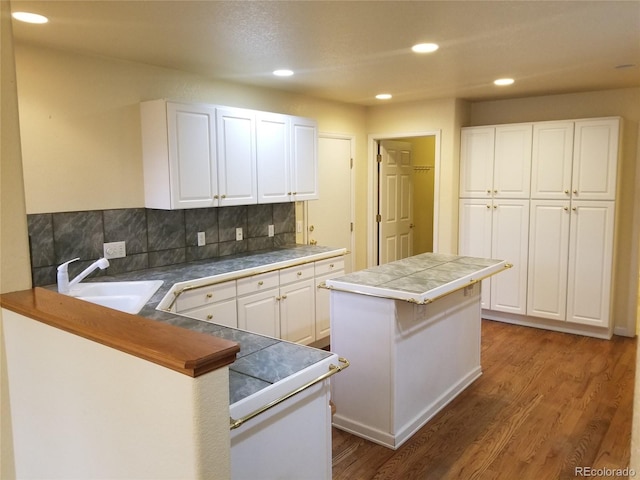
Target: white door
{"points": [[395, 238], [192, 155], [595, 157], [475, 236], [272, 152], [329, 217], [590, 258], [548, 259], [510, 242], [552, 155], [236, 156]]}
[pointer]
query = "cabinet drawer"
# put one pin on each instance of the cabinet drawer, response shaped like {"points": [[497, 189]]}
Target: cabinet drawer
{"points": [[293, 274], [206, 295], [222, 313], [257, 283], [329, 266]]}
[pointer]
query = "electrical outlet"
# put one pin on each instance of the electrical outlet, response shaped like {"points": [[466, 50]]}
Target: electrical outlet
{"points": [[271, 230], [114, 250], [299, 226], [201, 239], [238, 233]]}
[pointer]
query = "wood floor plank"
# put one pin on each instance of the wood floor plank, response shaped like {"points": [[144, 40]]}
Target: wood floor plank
{"points": [[546, 403]]}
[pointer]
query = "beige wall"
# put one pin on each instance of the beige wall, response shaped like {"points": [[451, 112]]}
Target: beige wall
{"points": [[81, 126]]}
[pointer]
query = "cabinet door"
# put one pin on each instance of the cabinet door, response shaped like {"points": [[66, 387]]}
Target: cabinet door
{"points": [[590, 260], [476, 162], [510, 242], [260, 313], [236, 156], [297, 312], [272, 149], [221, 313], [595, 158], [548, 259], [552, 155], [192, 155], [304, 159], [512, 161], [475, 236]]}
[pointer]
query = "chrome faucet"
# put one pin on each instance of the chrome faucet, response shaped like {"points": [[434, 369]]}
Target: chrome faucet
{"points": [[64, 285]]}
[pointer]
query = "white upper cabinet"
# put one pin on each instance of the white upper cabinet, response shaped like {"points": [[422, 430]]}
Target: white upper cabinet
{"points": [[595, 159], [512, 164], [304, 159], [208, 156], [496, 161], [273, 154], [552, 160], [236, 156], [179, 155], [476, 162]]}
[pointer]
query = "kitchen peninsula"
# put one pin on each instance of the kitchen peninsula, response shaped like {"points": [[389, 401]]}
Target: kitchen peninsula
{"points": [[411, 330]]}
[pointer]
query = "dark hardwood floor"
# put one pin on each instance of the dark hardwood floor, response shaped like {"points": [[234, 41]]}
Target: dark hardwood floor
{"points": [[546, 403]]}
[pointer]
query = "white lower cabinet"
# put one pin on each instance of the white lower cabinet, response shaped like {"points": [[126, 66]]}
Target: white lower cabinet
{"points": [[215, 304], [284, 303], [499, 229], [324, 270], [570, 261]]}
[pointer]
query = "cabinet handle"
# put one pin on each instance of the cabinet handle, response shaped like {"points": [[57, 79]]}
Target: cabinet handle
{"points": [[495, 191], [567, 192], [488, 206], [288, 193], [495, 206], [574, 209], [566, 209], [216, 197], [489, 192], [331, 265], [283, 297], [575, 192], [209, 295], [260, 283], [299, 273], [209, 317], [223, 196]]}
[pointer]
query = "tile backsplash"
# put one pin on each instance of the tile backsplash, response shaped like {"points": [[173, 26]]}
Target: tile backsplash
{"points": [[153, 238]]}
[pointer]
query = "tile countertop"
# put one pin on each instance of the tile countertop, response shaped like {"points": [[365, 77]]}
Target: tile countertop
{"points": [[262, 360], [418, 279]]}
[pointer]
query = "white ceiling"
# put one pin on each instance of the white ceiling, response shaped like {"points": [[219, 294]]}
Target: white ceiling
{"points": [[350, 51]]}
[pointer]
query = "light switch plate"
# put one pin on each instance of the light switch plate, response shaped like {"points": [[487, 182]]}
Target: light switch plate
{"points": [[201, 239], [271, 230], [239, 233], [114, 250]]}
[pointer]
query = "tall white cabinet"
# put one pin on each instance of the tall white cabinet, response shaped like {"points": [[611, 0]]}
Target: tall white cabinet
{"points": [[565, 265], [494, 208]]}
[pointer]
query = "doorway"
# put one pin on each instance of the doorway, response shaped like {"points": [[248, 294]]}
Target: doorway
{"points": [[423, 201]]}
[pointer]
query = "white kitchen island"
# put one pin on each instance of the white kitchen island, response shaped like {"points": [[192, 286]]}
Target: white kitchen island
{"points": [[411, 330]]}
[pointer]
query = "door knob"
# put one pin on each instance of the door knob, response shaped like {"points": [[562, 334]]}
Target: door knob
{"points": [[411, 225], [311, 228], [313, 242]]}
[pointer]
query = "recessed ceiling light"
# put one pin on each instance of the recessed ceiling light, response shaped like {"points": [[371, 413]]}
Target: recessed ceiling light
{"points": [[29, 17], [425, 47], [383, 96], [283, 73], [504, 81]]}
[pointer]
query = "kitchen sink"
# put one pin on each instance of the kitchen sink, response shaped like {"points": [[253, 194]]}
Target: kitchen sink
{"points": [[128, 297]]}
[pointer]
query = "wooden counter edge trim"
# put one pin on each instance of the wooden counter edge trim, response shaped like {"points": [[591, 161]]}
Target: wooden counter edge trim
{"points": [[185, 351]]}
